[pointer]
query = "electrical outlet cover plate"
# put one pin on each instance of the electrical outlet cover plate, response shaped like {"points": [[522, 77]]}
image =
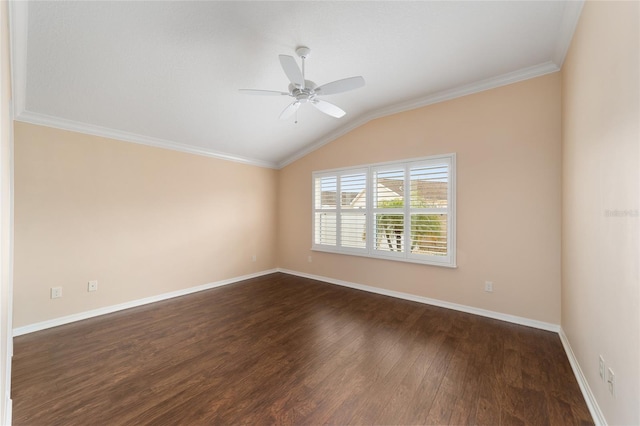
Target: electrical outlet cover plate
{"points": [[602, 368], [611, 381], [92, 286], [56, 292]]}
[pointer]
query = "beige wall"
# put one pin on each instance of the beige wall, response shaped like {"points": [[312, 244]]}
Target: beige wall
{"points": [[5, 218], [142, 221], [600, 256], [145, 221], [507, 142]]}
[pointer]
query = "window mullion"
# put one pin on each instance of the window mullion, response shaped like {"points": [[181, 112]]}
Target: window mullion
{"points": [[370, 223], [451, 209], [407, 210], [338, 210]]}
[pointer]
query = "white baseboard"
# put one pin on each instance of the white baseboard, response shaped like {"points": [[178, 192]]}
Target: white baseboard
{"points": [[435, 302], [132, 304], [590, 400], [592, 404], [8, 411], [18, 331]]}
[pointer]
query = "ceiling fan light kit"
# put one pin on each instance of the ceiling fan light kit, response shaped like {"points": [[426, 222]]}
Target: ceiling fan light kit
{"points": [[306, 91]]}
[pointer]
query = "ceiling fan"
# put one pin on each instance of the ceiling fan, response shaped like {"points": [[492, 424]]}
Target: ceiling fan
{"points": [[306, 91]]}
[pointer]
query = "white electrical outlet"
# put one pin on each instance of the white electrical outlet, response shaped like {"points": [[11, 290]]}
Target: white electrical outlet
{"points": [[56, 292], [488, 286], [253, 258], [310, 259], [611, 381], [602, 369], [92, 285]]}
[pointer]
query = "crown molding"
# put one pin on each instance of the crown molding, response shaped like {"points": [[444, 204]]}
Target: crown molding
{"points": [[18, 20], [480, 86], [90, 129], [445, 95], [570, 17]]}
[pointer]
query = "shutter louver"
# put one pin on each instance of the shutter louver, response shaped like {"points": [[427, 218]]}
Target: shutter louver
{"points": [[389, 194]]}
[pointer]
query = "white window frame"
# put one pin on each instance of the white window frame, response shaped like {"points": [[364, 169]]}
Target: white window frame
{"points": [[449, 260]]}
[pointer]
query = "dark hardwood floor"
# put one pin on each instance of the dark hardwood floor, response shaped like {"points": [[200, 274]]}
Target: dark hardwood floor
{"points": [[286, 350]]}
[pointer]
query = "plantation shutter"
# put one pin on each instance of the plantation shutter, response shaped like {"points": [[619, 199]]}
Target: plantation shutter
{"points": [[353, 206], [429, 194], [325, 210], [388, 210], [340, 210]]}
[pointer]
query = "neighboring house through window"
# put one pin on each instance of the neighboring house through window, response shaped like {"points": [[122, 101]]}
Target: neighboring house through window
{"points": [[402, 210]]}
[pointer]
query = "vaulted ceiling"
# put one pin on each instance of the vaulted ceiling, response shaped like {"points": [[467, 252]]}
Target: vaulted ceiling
{"points": [[167, 73]]}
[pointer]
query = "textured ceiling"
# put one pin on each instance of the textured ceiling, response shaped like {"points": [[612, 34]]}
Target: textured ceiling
{"points": [[168, 73]]}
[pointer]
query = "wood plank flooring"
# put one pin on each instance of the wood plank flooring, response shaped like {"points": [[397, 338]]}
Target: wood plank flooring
{"points": [[281, 349]]}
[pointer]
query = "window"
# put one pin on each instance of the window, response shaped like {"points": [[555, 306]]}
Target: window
{"points": [[402, 210]]}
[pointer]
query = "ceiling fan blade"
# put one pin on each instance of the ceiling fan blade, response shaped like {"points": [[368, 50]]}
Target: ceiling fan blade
{"points": [[292, 70], [328, 108], [289, 110], [262, 92], [340, 86]]}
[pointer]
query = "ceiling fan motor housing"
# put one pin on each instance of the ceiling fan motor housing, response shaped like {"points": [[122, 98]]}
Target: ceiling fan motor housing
{"points": [[303, 95]]}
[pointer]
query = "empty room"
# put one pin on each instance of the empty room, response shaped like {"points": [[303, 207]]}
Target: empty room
{"points": [[320, 212]]}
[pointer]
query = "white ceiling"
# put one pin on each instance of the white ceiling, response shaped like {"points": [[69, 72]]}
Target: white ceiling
{"points": [[168, 73]]}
